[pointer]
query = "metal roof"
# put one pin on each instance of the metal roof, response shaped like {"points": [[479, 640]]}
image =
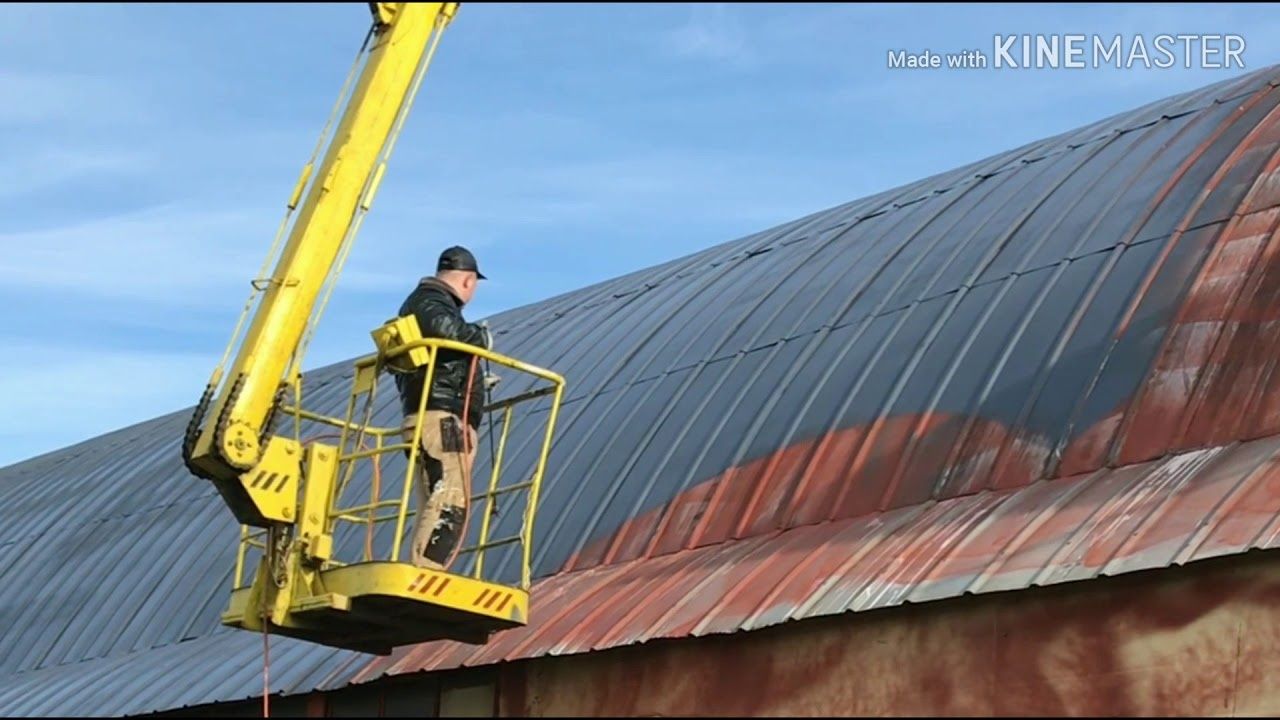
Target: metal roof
{"points": [[926, 380], [1192, 506]]}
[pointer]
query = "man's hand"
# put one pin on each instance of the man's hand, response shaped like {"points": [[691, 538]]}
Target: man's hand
{"points": [[491, 381]]}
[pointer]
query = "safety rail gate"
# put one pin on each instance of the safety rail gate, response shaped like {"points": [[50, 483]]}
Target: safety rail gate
{"points": [[372, 603]]}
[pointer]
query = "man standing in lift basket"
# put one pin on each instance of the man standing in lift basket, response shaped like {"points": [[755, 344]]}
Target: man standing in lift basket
{"points": [[454, 407]]}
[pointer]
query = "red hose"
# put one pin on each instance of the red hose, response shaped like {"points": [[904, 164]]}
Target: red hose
{"points": [[466, 487]]}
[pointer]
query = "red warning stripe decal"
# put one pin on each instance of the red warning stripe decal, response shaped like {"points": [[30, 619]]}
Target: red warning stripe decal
{"points": [[430, 581], [423, 588], [489, 597]]}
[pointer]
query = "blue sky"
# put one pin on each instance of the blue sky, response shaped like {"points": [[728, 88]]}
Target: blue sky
{"points": [[146, 153]]}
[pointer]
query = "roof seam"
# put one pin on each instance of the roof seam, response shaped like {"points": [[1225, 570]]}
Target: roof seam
{"points": [[780, 235], [764, 345], [108, 518], [113, 657], [30, 467]]}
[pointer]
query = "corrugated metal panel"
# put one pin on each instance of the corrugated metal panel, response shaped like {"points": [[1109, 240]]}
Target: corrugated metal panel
{"points": [[1196, 505], [895, 370], [219, 667], [1199, 643]]}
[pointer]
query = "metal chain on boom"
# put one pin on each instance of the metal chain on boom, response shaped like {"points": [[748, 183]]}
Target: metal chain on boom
{"points": [[224, 418], [193, 431], [262, 281]]}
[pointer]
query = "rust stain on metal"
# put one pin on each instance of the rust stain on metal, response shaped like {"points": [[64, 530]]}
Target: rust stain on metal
{"points": [[812, 482], [834, 488], [1173, 181], [1236, 377], [1192, 506], [1159, 408]]}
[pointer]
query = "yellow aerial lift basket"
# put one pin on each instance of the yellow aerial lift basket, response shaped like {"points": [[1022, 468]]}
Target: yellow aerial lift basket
{"points": [[374, 602], [289, 494]]}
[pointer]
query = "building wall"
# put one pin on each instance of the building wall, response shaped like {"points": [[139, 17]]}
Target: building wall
{"points": [[1197, 640]]}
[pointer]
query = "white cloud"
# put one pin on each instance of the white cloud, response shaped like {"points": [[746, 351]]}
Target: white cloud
{"points": [[33, 30], [56, 395], [673, 182], [714, 32], [166, 254], [44, 168], [38, 98]]}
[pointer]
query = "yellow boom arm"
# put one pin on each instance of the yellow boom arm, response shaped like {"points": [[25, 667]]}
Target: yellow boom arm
{"points": [[229, 435], [306, 584]]}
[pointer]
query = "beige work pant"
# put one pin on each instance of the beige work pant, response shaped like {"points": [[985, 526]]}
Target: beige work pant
{"points": [[445, 459]]}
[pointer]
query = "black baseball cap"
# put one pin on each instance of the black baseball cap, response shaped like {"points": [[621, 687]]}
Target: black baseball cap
{"points": [[459, 258]]}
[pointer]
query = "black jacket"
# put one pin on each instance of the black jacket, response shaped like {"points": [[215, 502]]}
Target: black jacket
{"points": [[439, 314]]}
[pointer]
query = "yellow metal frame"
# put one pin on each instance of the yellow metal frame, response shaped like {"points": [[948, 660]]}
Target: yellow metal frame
{"points": [[228, 439], [307, 593], [443, 606], [288, 488]]}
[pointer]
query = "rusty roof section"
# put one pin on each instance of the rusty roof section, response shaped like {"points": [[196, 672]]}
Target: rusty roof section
{"points": [[1191, 506], [1074, 314], [984, 380]]}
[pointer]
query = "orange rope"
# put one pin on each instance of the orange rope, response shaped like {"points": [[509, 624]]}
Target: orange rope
{"points": [[268, 554], [266, 669]]}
